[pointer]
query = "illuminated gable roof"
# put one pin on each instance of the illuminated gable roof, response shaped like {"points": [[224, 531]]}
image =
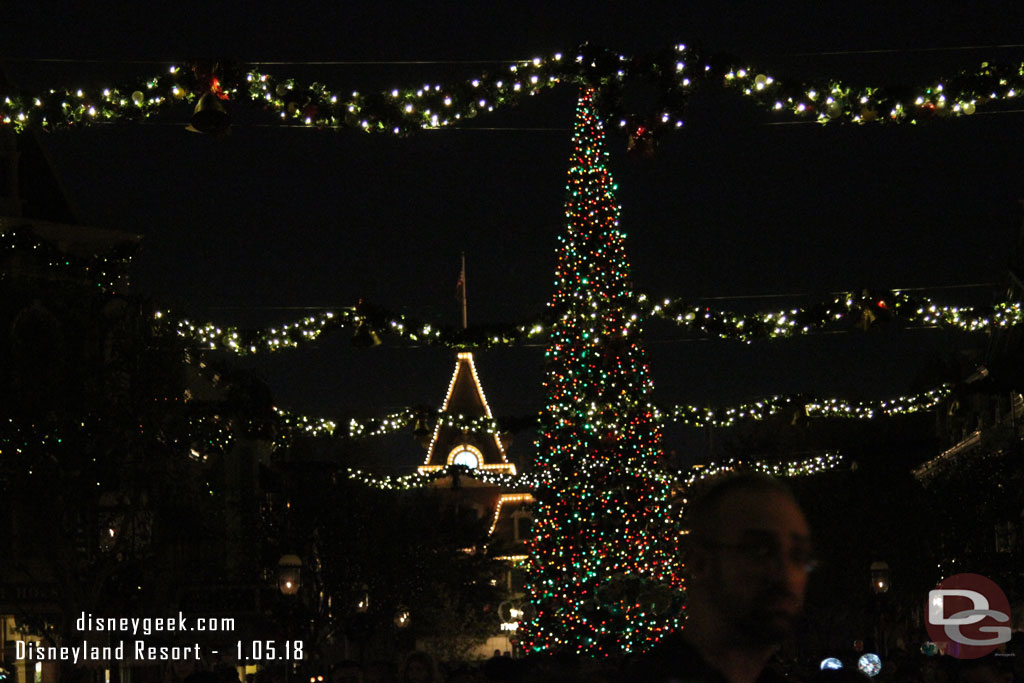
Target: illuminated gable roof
{"points": [[465, 397]]}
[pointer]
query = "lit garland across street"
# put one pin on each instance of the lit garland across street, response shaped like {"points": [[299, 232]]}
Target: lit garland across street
{"points": [[904, 405], [528, 482], [416, 480], [695, 416], [831, 100], [397, 110], [215, 337], [673, 73], [210, 436], [293, 425], [845, 311], [299, 425], [290, 425], [212, 337], [812, 465], [864, 310]]}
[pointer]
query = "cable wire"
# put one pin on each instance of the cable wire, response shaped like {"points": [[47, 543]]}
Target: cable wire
{"points": [[428, 62]]}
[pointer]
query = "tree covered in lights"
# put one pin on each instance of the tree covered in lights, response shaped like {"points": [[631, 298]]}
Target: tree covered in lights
{"points": [[603, 568]]}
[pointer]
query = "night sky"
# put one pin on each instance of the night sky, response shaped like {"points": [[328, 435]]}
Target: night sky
{"points": [[270, 222]]}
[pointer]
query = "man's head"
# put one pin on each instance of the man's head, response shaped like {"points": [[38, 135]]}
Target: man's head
{"points": [[749, 555]]}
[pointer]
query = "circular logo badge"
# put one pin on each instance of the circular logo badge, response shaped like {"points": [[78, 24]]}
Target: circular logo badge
{"points": [[970, 613]]}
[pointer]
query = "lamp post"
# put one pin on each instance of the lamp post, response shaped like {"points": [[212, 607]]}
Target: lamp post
{"points": [[357, 627], [880, 586], [879, 577], [289, 574], [289, 580], [402, 617], [363, 599], [510, 615]]}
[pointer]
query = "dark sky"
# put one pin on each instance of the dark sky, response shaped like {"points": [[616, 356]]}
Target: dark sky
{"points": [[242, 229]]}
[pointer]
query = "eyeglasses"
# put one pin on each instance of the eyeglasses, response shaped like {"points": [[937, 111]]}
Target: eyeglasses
{"points": [[767, 548]]}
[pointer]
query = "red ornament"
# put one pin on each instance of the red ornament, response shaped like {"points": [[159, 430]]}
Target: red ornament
{"points": [[216, 88], [641, 141]]}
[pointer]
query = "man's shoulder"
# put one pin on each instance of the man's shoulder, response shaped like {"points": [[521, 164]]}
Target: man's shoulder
{"points": [[771, 676], [673, 660]]}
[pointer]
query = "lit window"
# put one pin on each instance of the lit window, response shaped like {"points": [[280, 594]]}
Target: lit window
{"points": [[465, 455]]}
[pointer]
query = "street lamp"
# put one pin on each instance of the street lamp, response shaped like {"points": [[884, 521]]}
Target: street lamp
{"points": [[402, 616], [289, 574], [289, 579], [879, 577], [363, 601], [880, 586]]}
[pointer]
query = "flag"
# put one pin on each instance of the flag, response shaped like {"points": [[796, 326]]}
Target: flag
{"points": [[460, 286]]}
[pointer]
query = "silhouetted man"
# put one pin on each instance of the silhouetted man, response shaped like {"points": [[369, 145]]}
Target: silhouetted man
{"points": [[748, 557], [987, 669]]}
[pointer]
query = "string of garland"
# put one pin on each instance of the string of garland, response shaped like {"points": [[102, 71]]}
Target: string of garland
{"points": [[812, 465], [807, 466], [407, 482], [694, 416], [398, 110], [103, 271], [213, 436], [213, 337], [673, 73], [368, 323], [290, 425], [831, 99], [864, 311]]}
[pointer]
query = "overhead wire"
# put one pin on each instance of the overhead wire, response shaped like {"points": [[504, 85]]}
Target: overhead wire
{"points": [[882, 51], [429, 62]]}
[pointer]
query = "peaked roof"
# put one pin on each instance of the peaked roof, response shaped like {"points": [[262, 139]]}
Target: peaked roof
{"points": [[33, 189], [465, 397], [510, 529]]}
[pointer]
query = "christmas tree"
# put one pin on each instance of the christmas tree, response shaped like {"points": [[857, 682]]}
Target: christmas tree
{"points": [[604, 563]]}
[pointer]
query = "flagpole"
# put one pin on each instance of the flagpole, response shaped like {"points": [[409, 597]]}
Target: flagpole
{"points": [[463, 279]]}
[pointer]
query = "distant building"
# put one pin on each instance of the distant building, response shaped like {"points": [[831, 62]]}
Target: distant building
{"points": [[482, 453], [76, 348], [977, 483], [48, 255]]}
